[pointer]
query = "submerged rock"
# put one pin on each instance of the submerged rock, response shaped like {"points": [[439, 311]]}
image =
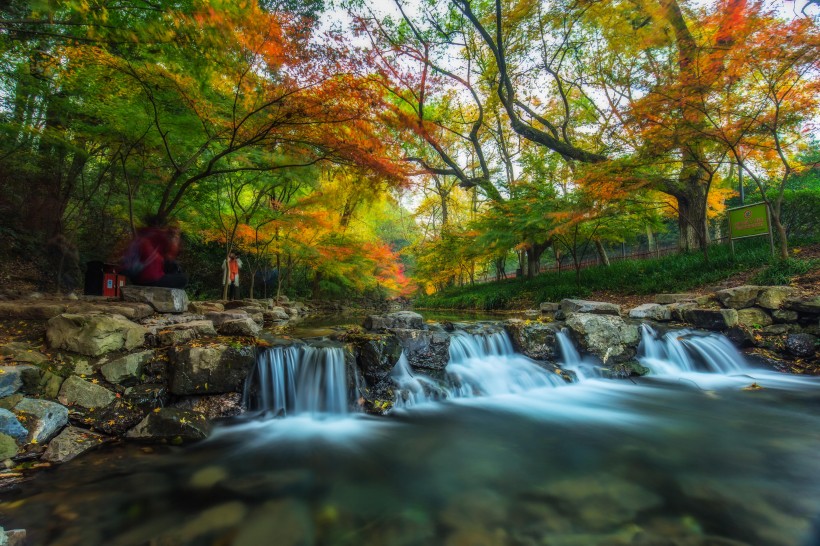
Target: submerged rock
{"points": [[94, 334], [173, 425]]}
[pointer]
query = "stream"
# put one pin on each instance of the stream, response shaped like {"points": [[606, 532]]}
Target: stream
{"points": [[704, 450]]}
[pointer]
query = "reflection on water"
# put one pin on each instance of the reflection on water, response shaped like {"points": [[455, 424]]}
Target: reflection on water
{"points": [[663, 461]]}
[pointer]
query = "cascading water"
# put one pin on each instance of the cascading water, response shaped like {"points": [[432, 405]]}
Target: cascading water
{"points": [[686, 351], [571, 359], [480, 365], [297, 380]]}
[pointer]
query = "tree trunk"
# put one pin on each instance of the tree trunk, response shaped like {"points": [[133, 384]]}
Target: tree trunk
{"points": [[317, 278], [534, 253], [781, 234], [692, 220], [601, 252]]}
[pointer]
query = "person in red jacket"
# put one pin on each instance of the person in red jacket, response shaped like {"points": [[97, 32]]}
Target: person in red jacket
{"points": [[157, 246]]}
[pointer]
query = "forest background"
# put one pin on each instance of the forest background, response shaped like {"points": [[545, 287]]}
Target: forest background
{"points": [[350, 151]]}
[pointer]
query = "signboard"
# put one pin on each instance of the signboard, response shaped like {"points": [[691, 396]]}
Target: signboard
{"points": [[749, 221]]}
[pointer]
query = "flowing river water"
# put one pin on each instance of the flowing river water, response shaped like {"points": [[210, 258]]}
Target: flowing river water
{"points": [[499, 452]]}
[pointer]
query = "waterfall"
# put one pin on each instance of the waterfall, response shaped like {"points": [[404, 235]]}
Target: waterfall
{"points": [[685, 350], [298, 379], [571, 359], [480, 365]]}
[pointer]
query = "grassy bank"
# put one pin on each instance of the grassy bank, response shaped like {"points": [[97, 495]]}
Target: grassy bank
{"points": [[676, 273]]}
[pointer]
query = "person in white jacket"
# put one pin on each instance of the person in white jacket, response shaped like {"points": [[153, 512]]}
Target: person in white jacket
{"points": [[230, 275]]}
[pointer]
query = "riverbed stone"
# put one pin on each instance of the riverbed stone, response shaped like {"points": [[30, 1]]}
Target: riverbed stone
{"points": [[665, 299], [739, 297], [126, 370], [79, 392], [172, 425], [22, 353], [204, 307], [598, 502], [8, 447], [210, 370], [773, 297], [425, 349], [569, 306], [754, 316], [40, 382], [11, 426], [711, 319], [11, 378], [405, 320], [606, 336], [240, 327], [534, 339], [801, 345], [289, 520], [213, 406], [94, 334], [43, 418], [219, 317], [147, 396], [177, 334], [163, 300], [678, 309], [276, 313], [651, 311], [784, 315], [70, 443]]}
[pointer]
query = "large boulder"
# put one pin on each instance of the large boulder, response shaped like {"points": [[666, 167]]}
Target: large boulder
{"points": [[43, 418], [79, 392], [754, 316], [10, 426], [11, 378], [240, 327], [711, 319], [784, 315], [739, 297], [70, 443], [94, 334], [163, 300], [772, 297], [376, 356], [406, 320], [425, 349], [171, 425], [606, 336], [651, 311], [126, 370], [801, 345], [534, 339], [569, 306], [210, 370]]}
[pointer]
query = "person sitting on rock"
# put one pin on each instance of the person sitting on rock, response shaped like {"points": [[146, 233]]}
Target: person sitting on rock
{"points": [[151, 256], [230, 274]]}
